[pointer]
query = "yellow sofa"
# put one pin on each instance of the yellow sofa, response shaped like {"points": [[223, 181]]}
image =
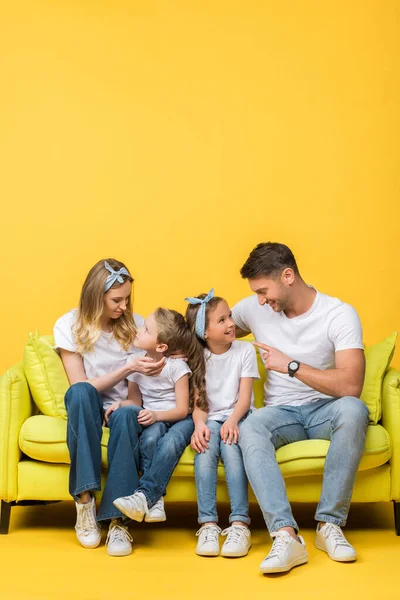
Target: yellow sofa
{"points": [[34, 456]]}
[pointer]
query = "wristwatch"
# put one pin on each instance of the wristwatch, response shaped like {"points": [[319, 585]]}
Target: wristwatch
{"points": [[293, 367]]}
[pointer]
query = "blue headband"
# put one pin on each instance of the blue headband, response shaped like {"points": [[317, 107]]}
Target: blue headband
{"points": [[201, 314], [115, 276]]}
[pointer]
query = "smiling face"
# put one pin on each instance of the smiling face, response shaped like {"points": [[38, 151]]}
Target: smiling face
{"points": [[220, 326], [276, 292], [116, 300]]}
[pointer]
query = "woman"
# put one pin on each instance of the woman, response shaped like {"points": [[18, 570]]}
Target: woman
{"points": [[95, 343]]}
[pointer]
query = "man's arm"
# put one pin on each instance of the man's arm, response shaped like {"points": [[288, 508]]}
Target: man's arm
{"points": [[240, 332], [346, 379]]}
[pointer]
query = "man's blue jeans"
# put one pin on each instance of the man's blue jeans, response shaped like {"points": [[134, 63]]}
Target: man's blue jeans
{"points": [[343, 421], [206, 465], [84, 431]]}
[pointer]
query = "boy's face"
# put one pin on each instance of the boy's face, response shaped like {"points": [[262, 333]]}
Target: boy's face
{"points": [[146, 337], [221, 327]]}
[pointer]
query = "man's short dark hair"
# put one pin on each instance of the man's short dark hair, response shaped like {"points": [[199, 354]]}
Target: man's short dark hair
{"points": [[268, 259]]}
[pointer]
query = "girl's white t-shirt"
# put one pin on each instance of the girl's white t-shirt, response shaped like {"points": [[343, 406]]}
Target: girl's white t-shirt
{"points": [[223, 375], [107, 355], [158, 393]]}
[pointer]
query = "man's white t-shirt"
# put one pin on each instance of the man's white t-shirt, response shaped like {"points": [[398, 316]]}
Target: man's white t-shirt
{"points": [[106, 357], [158, 393], [311, 338], [223, 375]]}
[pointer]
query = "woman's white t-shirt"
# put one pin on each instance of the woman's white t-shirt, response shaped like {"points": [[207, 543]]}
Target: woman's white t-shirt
{"points": [[223, 375], [106, 357], [158, 393]]}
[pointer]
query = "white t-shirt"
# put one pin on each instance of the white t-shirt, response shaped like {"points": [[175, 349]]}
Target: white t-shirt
{"points": [[311, 338], [223, 375], [107, 355], [158, 393]]}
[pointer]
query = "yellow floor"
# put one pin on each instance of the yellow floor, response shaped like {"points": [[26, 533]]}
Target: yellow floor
{"points": [[41, 559]]}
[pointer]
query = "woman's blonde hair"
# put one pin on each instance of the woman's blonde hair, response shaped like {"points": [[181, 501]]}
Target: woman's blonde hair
{"points": [[87, 328], [174, 331]]}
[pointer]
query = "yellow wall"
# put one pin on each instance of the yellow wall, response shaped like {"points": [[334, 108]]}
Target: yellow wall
{"points": [[175, 135]]}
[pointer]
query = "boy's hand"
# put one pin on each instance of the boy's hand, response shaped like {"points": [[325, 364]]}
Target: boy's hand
{"points": [[111, 409], [200, 437], [147, 417], [229, 431]]}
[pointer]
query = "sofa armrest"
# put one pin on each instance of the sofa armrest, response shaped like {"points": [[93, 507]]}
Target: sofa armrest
{"points": [[391, 422], [15, 407]]}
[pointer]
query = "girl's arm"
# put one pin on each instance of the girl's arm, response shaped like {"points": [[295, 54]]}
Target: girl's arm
{"points": [[201, 434], [229, 431], [148, 417], [73, 364]]}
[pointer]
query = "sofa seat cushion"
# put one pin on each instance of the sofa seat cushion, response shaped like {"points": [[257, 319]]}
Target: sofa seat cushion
{"points": [[44, 438]]}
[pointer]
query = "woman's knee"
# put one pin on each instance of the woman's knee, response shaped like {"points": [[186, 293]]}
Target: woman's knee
{"points": [[124, 416], [81, 394]]}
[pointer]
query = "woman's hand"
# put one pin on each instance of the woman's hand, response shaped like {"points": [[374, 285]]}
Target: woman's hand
{"points": [[200, 438], [229, 431], [147, 417], [146, 366], [111, 409]]}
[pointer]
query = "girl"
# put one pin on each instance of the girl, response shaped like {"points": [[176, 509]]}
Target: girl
{"points": [[94, 342], [161, 405], [231, 367]]}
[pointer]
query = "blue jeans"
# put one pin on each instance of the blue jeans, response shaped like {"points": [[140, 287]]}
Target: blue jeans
{"points": [[206, 465], [343, 421], [84, 430]]}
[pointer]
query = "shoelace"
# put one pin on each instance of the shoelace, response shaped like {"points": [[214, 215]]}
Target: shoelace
{"points": [[336, 534], [208, 533], [279, 545], [118, 533], [88, 522], [234, 533]]}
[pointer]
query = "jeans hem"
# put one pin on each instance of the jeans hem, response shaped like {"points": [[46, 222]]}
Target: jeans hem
{"points": [[283, 524], [202, 520], [240, 518], [114, 515], [329, 519], [90, 487]]}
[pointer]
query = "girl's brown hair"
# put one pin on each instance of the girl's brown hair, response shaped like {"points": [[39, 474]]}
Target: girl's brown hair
{"points": [[87, 328], [174, 331]]}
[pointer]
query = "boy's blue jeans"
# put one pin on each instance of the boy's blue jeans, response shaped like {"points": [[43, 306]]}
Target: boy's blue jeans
{"points": [[206, 465], [84, 431], [343, 421]]}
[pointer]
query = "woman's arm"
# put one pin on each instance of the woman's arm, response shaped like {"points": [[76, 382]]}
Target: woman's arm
{"points": [[73, 364], [148, 417], [230, 431]]}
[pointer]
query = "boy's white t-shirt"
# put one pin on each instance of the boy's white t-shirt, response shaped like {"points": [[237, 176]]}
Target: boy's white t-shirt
{"points": [[107, 355], [223, 375], [312, 338], [158, 393]]}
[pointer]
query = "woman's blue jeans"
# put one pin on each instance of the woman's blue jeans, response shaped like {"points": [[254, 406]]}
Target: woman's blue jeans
{"points": [[84, 431]]}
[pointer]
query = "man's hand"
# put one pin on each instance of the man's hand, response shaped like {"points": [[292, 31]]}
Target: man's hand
{"points": [[229, 431], [147, 417], [111, 409], [200, 437], [273, 359]]}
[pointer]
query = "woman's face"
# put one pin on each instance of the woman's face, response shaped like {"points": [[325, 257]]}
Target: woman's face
{"points": [[116, 300]]}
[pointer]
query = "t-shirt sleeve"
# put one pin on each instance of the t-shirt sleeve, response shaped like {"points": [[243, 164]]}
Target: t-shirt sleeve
{"points": [[178, 368], [240, 315], [345, 330], [249, 361], [64, 337]]}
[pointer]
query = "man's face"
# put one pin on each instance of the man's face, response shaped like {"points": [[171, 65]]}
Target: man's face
{"points": [[272, 291]]}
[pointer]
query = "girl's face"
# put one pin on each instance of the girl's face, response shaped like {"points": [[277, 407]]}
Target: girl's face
{"points": [[146, 337], [116, 300], [221, 327]]}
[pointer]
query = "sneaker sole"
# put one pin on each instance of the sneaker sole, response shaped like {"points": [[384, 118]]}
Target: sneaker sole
{"points": [[90, 546], [132, 514], [155, 519], [235, 554], [336, 559], [119, 552], [295, 563], [209, 553]]}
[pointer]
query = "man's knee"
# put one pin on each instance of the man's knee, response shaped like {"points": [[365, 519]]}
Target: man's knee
{"points": [[352, 412]]}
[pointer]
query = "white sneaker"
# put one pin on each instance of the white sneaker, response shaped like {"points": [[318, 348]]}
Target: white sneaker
{"points": [[238, 541], [88, 531], [208, 544], [134, 506], [330, 539], [286, 553], [119, 541], [156, 514]]}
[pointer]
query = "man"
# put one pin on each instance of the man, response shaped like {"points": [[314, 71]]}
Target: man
{"points": [[311, 345]]}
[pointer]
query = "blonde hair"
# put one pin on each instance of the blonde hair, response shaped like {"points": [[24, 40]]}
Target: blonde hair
{"points": [[176, 334], [87, 328]]}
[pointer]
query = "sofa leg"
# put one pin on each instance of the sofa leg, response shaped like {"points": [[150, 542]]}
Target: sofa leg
{"points": [[396, 506], [5, 517]]}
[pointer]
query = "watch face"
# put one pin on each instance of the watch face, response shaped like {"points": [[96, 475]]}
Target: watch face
{"points": [[293, 365]]}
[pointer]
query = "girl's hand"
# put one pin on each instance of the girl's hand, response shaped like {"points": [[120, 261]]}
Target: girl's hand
{"points": [[200, 438], [146, 366], [111, 409], [147, 417], [229, 431]]}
